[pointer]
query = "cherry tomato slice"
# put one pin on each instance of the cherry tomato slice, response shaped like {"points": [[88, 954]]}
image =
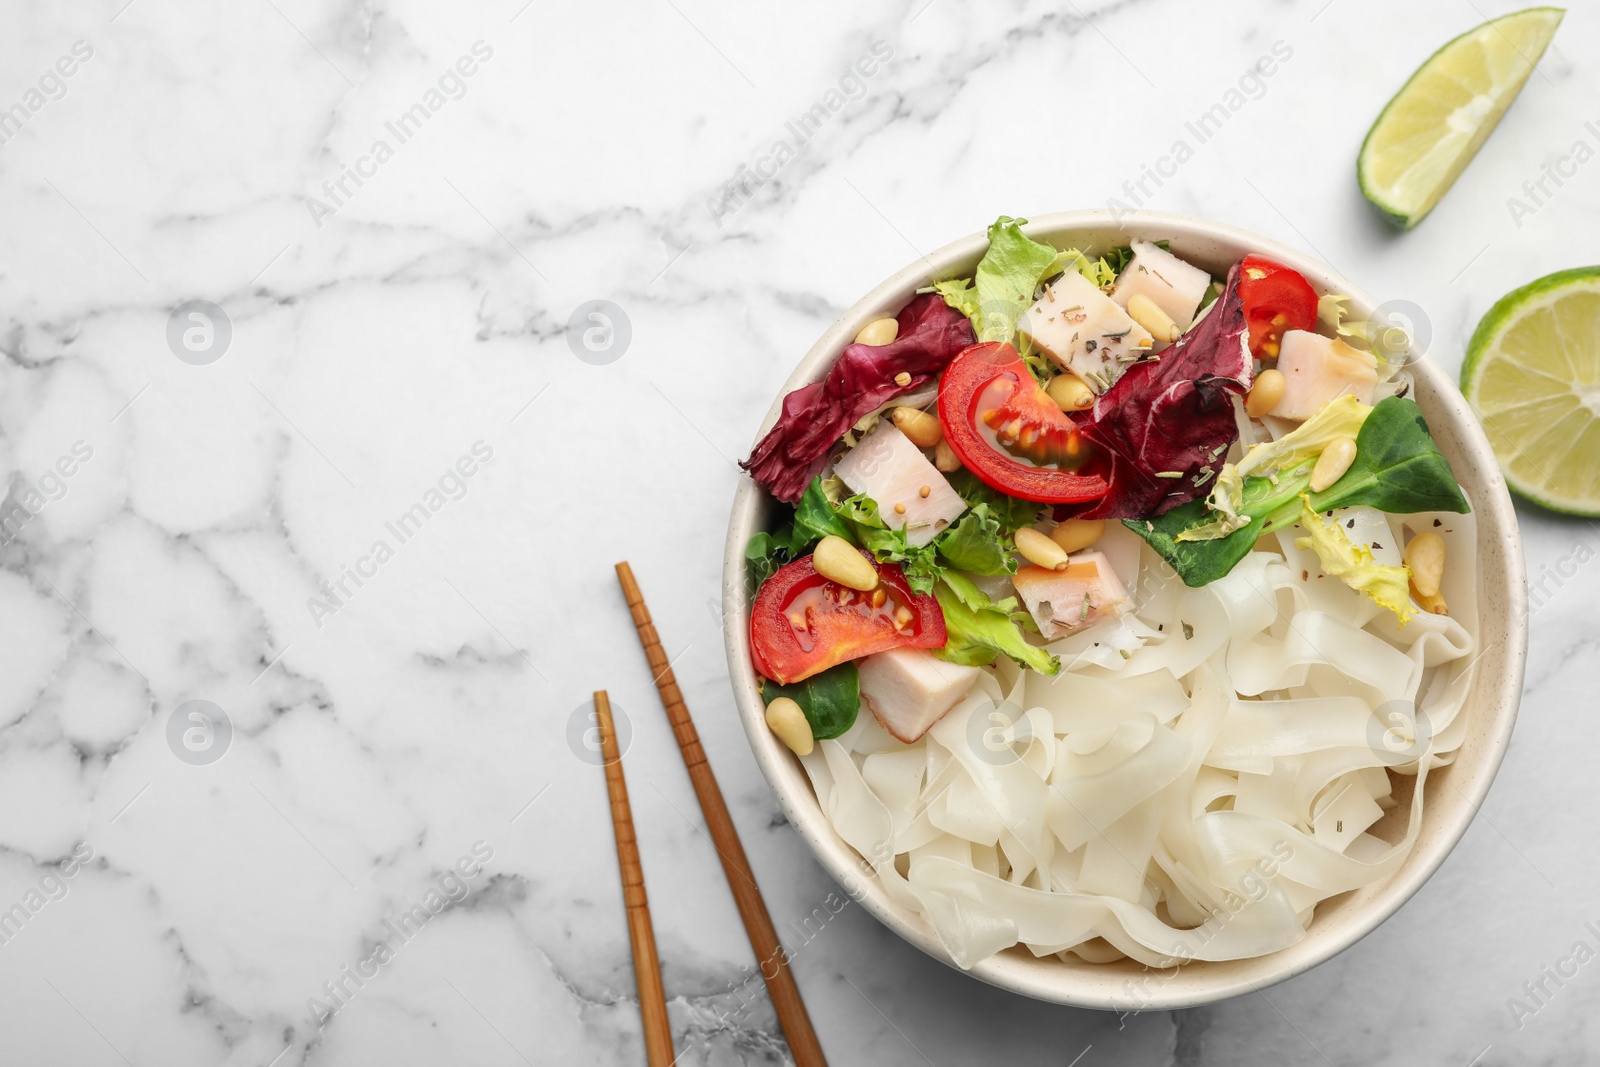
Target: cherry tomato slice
{"points": [[801, 624], [1276, 299], [1009, 433]]}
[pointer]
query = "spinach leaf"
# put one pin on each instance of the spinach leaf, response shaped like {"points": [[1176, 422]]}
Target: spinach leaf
{"points": [[1397, 469], [830, 699], [765, 554]]}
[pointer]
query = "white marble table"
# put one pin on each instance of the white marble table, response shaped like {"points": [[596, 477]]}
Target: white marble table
{"points": [[396, 373]]}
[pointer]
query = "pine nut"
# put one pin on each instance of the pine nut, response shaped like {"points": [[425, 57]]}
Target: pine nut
{"points": [[1040, 550], [838, 561], [1157, 323], [1433, 605], [1070, 392], [903, 379], [945, 458], [878, 332], [923, 429], [1074, 535], [1265, 393], [1425, 556], [789, 722], [1334, 461]]}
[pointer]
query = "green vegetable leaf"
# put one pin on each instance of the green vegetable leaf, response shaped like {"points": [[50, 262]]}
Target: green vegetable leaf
{"points": [[1353, 564], [1002, 288], [1397, 469], [977, 628], [1199, 562], [977, 544], [1117, 259], [980, 542], [1341, 417], [815, 518], [865, 527], [765, 553], [1012, 513], [830, 699]]}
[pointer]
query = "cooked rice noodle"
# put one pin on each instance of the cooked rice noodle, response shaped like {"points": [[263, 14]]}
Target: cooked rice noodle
{"points": [[1203, 772]]}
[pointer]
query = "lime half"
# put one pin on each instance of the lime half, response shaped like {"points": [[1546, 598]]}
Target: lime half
{"points": [[1532, 373], [1435, 124]]}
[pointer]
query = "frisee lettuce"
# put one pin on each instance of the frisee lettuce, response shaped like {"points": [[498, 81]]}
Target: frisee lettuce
{"points": [[1012, 512], [1003, 286], [1353, 564], [1341, 417], [980, 542], [978, 629]]}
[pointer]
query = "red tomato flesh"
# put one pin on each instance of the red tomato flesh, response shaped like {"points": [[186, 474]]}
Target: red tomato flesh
{"points": [[1276, 299], [1009, 433], [801, 624]]}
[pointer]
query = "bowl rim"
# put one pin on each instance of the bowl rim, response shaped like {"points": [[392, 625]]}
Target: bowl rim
{"points": [[1060, 983]]}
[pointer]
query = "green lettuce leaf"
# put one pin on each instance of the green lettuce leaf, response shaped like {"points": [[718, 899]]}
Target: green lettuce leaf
{"points": [[1341, 417], [1013, 514], [977, 544], [1002, 287], [980, 542], [830, 700], [815, 517], [1397, 469], [1342, 558], [978, 629]]}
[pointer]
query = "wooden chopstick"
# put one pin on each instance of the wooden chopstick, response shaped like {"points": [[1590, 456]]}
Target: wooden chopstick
{"points": [[770, 954], [646, 965]]}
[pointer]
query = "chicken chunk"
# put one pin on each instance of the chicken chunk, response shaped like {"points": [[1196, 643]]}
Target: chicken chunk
{"points": [[1084, 332], [909, 491], [1317, 369], [910, 689], [1064, 602], [1171, 284]]}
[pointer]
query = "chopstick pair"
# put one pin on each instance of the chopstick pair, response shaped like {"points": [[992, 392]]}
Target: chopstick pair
{"points": [[781, 987]]}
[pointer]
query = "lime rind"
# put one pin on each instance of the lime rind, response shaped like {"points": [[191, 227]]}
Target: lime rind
{"points": [[1408, 215], [1560, 399]]}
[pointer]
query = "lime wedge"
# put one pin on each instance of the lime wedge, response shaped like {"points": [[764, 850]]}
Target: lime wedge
{"points": [[1532, 374], [1434, 125]]}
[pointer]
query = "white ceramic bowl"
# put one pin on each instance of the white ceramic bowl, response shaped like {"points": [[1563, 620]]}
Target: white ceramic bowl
{"points": [[1454, 792]]}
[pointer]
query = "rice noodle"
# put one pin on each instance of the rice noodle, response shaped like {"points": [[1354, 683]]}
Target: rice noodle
{"points": [[1202, 774]]}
